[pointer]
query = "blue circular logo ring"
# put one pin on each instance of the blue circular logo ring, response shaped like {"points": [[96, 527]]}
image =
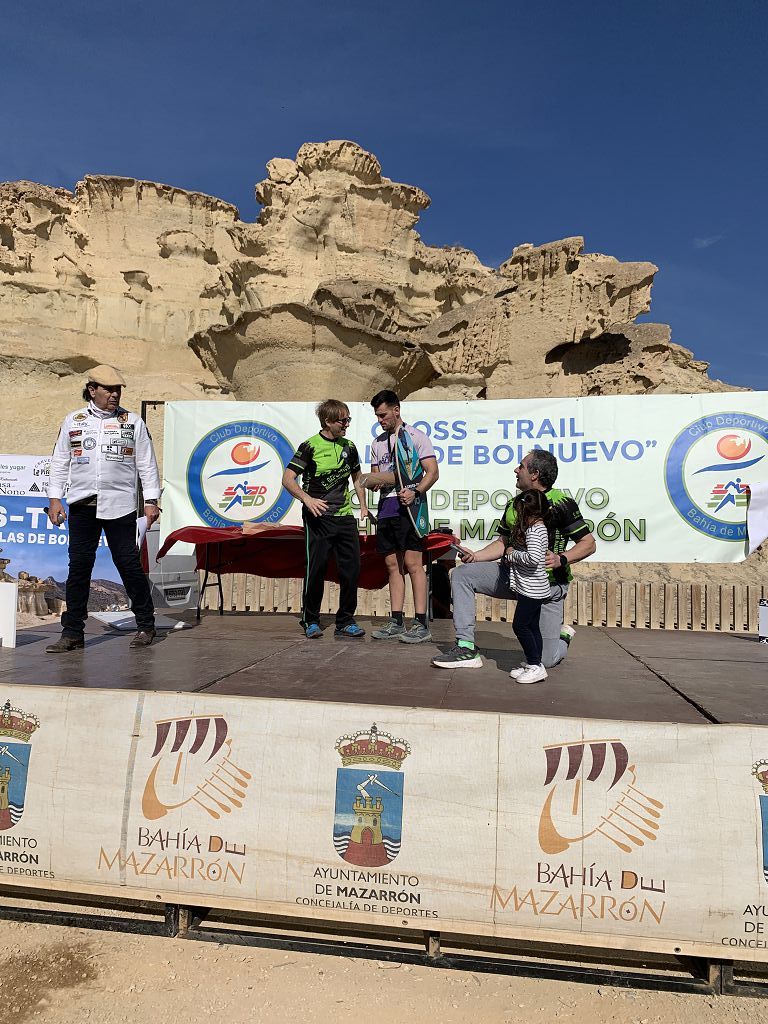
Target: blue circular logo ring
{"points": [[674, 471], [237, 430]]}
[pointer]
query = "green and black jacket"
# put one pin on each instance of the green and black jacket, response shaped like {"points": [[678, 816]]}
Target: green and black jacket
{"points": [[325, 467]]}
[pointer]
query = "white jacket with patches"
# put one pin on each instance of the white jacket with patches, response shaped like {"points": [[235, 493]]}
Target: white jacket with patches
{"points": [[105, 455]]}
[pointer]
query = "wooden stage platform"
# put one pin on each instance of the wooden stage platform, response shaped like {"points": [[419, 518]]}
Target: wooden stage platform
{"points": [[620, 674]]}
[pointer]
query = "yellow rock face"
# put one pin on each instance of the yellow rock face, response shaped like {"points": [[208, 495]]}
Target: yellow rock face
{"points": [[332, 283]]}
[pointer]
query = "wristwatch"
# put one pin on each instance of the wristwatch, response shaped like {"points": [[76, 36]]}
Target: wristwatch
{"points": [[563, 562]]}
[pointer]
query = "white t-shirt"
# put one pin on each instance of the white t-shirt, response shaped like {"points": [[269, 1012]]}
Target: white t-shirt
{"points": [[383, 456]]}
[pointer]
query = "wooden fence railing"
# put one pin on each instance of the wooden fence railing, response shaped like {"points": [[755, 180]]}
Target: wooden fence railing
{"points": [[695, 606]]}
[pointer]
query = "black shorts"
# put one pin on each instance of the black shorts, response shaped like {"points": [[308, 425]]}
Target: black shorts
{"points": [[397, 533]]}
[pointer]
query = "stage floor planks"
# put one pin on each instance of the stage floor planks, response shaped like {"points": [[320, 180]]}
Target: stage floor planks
{"points": [[621, 674]]}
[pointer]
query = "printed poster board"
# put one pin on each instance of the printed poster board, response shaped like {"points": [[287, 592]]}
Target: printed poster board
{"points": [[650, 837], [660, 478]]}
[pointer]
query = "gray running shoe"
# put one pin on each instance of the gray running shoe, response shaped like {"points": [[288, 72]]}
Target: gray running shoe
{"points": [[391, 631], [415, 634], [459, 657]]}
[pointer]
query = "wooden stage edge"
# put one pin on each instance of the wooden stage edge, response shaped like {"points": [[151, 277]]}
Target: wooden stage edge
{"points": [[610, 673]]}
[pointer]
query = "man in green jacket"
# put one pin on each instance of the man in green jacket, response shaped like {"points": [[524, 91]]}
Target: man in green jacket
{"points": [[325, 462]]}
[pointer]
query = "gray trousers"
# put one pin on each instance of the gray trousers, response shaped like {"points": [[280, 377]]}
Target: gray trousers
{"points": [[491, 579]]}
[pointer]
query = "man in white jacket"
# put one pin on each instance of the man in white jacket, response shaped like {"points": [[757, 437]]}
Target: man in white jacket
{"points": [[101, 453]]}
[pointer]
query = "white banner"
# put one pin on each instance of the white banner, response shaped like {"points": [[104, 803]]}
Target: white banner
{"points": [[659, 478], [24, 476], [626, 835]]}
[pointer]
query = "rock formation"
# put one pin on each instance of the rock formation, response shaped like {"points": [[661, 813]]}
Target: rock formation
{"points": [[32, 595], [5, 577], [121, 272], [331, 283]]}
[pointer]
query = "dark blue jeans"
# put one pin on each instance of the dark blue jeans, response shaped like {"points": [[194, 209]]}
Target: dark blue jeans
{"points": [[525, 624], [84, 534]]}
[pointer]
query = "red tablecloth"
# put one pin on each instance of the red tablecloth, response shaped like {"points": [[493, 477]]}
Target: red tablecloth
{"points": [[279, 553]]}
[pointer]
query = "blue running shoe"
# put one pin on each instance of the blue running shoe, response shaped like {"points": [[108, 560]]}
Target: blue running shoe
{"points": [[350, 632], [313, 631]]}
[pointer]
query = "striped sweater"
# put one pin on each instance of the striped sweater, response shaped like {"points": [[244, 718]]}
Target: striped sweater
{"points": [[527, 574]]}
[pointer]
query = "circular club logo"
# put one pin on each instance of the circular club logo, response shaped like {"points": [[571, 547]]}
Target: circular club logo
{"points": [[709, 467], [235, 474]]}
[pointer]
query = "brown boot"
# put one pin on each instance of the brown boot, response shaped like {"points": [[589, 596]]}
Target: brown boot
{"points": [[143, 638], [65, 644]]}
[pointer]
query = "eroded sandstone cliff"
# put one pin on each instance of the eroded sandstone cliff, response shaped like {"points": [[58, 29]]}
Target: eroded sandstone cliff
{"points": [[331, 283]]}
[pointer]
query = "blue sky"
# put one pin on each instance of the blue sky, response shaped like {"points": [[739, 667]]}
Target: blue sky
{"points": [[639, 126]]}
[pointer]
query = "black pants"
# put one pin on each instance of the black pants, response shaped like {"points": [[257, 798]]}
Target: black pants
{"points": [[526, 627], [84, 534], [324, 536]]}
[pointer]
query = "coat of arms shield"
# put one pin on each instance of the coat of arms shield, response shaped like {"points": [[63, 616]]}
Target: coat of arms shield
{"points": [[368, 819], [16, 725]]}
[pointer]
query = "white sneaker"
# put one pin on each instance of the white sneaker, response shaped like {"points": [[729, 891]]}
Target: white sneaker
{"points": [[519, 671], [533, 674], [567, 633]]}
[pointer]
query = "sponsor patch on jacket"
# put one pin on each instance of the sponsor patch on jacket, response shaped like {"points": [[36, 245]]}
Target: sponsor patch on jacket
{"points": [[111, 449], [123, 417], [114, 458], [75, 433], [127, 432], [76, 451], [127, 451], [83, 460], [111, 425], [80, 416], [89, 443]]}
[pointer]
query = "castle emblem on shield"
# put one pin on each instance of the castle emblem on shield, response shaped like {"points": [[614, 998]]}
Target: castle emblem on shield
{"points": [[760, 772], [368, 820], [14, 762]]}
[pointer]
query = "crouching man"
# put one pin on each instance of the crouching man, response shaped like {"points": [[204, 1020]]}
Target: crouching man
{"points": [[482, 572]]}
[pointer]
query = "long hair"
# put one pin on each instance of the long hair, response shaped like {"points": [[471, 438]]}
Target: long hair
{"points": [[530, 507]]}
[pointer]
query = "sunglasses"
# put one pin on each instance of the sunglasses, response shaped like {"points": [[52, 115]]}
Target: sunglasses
{"points": [[344, 421]]}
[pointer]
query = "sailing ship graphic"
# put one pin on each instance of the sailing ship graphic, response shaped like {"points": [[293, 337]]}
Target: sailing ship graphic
{"points": [[368, 819], [760, 772], [193, 764], [15, 724], [628, 818]]}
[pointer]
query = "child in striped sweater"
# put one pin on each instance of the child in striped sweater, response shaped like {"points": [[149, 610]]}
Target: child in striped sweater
{"points": [[524, 557]]}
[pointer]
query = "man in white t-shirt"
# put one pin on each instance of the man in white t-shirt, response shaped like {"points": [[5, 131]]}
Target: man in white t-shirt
{"points": [[396, 536]]}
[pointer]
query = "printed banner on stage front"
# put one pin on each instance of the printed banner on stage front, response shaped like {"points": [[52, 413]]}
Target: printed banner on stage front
{"points": [[660, 478], [615, 834]]}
